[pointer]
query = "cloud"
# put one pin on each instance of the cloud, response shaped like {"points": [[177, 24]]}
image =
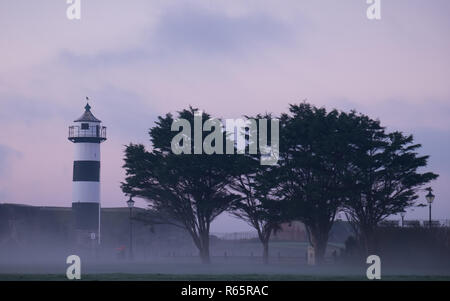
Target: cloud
{"points": [[127, 116], [7, 155], [435, 143], [406, 115], [28, 110], [193, 29]]}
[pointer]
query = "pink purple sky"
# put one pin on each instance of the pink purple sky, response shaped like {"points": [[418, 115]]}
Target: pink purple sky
{"points": [[140, 59]]}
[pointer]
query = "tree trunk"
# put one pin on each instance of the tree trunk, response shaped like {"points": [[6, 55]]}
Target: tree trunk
{"points": [[369, 240], [319, 241], [265, 251], [320, 248], [204, 256], [204, 248]]}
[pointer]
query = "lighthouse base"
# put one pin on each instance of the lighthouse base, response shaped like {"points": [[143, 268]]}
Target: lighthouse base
{"points": [[86, 222], [87, 215]]}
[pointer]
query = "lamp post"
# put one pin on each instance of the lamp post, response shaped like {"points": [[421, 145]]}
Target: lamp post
{"points": [[92, 236], [430, 199], [130, 204]]}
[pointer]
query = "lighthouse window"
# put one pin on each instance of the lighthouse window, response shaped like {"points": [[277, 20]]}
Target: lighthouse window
{"points": [[85, 126]]}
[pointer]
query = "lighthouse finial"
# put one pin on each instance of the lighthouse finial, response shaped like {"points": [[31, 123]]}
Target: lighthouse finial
{"points": [[87, 107]]}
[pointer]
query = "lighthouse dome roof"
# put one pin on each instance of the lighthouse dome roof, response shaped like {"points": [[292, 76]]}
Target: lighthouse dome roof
{"points": [[87, 115]]}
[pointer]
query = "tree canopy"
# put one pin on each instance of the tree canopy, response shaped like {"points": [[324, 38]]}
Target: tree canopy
{"points": [[192, 190]]}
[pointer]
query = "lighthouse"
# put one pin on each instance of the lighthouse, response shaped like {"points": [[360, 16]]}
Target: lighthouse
{"points": [[87, 134]]}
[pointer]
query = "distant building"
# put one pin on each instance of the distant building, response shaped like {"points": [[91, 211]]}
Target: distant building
{"points": [[293, 231], [296, 231]]}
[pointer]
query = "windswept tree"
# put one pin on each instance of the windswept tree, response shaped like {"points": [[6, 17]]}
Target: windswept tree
{"points": [[312, 165], [257, 207], [190, 188], [383, 178]]}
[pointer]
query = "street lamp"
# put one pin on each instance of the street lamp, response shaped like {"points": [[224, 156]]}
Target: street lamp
{"points": [[130, 204], [92, 236], [430, 199]]}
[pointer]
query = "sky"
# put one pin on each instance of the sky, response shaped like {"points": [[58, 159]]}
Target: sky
{"points": [[140, 59]]}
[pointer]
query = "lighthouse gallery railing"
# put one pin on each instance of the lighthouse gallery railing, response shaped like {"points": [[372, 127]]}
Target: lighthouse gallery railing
{"points": [[91, 132]]}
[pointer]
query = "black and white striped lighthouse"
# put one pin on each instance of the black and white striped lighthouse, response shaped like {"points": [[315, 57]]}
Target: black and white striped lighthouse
{"points": [[86, 133]]}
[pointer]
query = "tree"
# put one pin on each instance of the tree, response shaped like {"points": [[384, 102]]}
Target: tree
{"points": [[383, 177], [256, 206], [312, 164], [191, 190]]}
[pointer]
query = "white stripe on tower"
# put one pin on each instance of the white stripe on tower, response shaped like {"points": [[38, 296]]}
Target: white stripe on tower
{"points": [[85, 192], [87, 152]]}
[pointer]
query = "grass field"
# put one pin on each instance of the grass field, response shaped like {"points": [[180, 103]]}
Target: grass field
{"points": [[286, 264], [233, 269]]}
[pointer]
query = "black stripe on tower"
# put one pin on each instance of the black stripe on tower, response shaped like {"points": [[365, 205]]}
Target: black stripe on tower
{"points": [[86, 215], [86, 171]]}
